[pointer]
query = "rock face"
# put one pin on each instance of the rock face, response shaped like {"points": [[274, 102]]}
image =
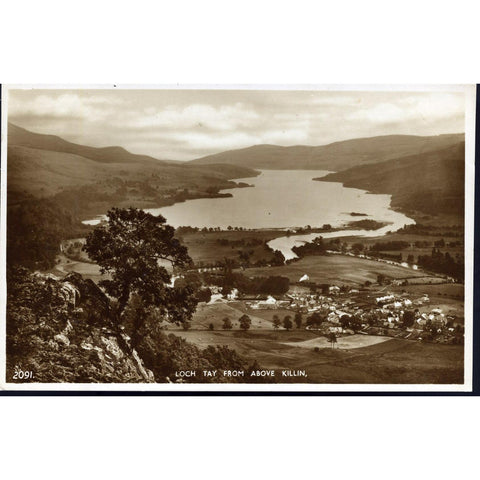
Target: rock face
{"points": [[104, 350], [73, 340], [89, 297]]}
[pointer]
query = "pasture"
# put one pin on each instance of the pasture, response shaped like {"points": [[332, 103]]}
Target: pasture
{"points": [[214, 314], [388, 361], [337, 269], [213, 247]]}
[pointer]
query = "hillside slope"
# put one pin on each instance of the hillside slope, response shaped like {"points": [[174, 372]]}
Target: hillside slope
{"points": [[44, 165], [335, 156], [21, 137], [431, 182], [49, 192]]}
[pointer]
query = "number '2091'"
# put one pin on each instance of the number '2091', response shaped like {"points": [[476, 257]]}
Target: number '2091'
{"points": [[23, 375]]}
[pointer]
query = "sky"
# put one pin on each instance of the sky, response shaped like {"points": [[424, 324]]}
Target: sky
{"points": [[188, 124]]}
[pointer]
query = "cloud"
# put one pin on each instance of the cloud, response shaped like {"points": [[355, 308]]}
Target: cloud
{"points": [[223, 118], [185, 124], [426, 107], [68, 105]]}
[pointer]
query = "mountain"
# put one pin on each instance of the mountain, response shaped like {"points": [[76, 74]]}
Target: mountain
{"points": [[54, 184], [430, 182], [44, 165], [335, 156], [19, 136]]}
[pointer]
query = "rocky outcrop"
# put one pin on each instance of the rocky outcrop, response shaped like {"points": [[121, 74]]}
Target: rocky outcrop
{"points": [[74, 340], [94, 304]]}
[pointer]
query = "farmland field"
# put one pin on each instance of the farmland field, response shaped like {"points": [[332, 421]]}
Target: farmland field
{"points": [[336, 269], [451, 290], [207, 247], [344, 343], [392, 361], [207, 314]]}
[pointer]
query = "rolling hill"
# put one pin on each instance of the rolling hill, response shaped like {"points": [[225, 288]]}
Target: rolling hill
{"points": [[44, 165], [54, 184], [19, 136], [431, 182], [335, 156]]}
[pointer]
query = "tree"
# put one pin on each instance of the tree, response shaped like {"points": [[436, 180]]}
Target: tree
{"points": [[211, 326], [287, 323], [186, 325], [131, 247], [357, 247], [204, 295], [315, 319], [298, 320], [332, 338], [355, 324], [345, 321], [408, 318], [227, 324], [245, 322], [276, 322]]}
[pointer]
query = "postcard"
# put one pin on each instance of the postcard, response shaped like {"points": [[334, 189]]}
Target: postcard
{"points": [[261, 238]]}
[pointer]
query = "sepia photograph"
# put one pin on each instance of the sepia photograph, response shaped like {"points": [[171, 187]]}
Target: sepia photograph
{"points": [[260, 238]]}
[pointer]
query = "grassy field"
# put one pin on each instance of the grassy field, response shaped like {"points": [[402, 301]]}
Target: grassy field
{"points": [[392, 361], [448, 290], [336, 269], [344, 343], [205, 246], [66, 265], [215, 313]]}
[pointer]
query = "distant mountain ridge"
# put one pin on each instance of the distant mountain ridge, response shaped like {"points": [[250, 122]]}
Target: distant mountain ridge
{"points": [[44, 165], [431, 182], [19, 136], [421, 173], [334, 156]]}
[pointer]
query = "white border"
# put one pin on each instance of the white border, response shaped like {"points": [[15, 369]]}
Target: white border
{"points": [[470, 108]]}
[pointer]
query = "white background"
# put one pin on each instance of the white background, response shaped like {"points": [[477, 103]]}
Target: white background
{"points": [[239, 42]]}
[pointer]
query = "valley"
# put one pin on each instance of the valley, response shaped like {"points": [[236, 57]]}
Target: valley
{"points": [[232, 210]]}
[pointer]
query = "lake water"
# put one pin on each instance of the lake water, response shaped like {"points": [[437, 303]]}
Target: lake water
{"points": [[286, 199]]}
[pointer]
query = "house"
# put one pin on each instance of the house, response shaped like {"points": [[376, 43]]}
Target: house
{"points": [[385, 299], [216, 298], [438, 322], [233, 294], [333, 317], [335, 329], [270, 302]]}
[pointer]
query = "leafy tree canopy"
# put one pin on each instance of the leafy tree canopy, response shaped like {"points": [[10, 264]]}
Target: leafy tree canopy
{"points": [[134, 247]]}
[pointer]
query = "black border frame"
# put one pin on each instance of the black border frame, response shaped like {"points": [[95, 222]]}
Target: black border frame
{"points": [[476, 335]]}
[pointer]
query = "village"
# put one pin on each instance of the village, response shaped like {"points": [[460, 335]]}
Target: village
{"points": [[345, 310], [400, 307]]}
